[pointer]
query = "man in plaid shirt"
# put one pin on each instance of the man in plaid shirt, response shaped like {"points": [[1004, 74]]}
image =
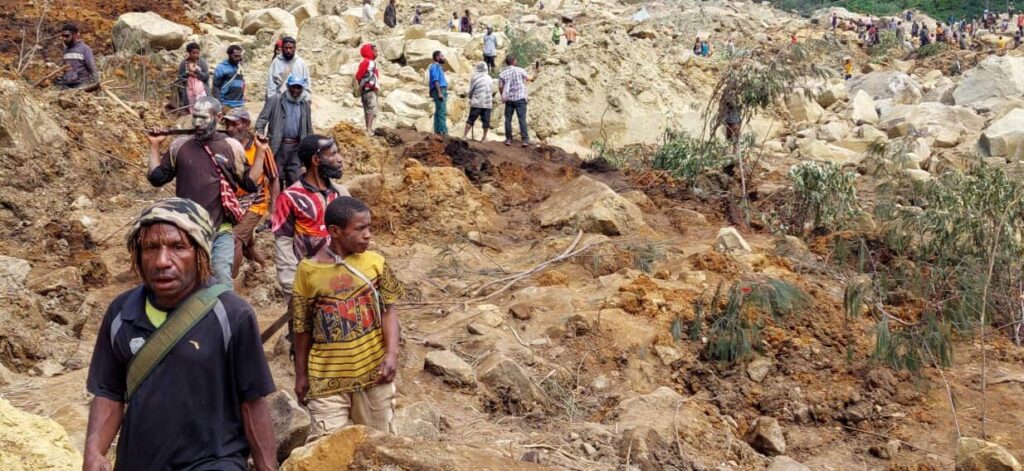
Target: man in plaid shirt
{"points": [[512, 82]]}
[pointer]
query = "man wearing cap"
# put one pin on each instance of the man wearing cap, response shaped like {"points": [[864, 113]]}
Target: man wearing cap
{"points": [[286, 119], [208, 167], [285, 66], [258, 203], [178, 365]]}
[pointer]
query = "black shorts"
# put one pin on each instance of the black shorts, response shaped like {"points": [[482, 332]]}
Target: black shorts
{"points": [[483, 113]]}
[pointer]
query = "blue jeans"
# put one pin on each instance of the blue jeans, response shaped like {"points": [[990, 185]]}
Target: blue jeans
{"points": [[221, 258], [519, 108]]}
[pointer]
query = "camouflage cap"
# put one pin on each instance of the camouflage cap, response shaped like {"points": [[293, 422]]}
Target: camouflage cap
{"points": [[183, 214]]}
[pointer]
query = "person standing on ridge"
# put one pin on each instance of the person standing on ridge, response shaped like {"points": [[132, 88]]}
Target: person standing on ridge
{"points": [[490, 48], [285, 66], [390, 15], [512, 83], [481, 99], [368, 77], [465, 24], [439, 93], [228, 80]]}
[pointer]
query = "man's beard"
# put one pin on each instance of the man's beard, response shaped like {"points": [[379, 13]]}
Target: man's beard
{"points": [[240, 136], [330, 173], [204, 133], [287, 56]]}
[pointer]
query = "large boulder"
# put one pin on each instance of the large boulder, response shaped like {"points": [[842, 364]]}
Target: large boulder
{"points": [[327, 31], [510, 385], [814, 149], [271, 19], [803, 108], [141, 31], [419, 53], [994, 77], [26, 127], [360, 447], [898, 86], [13, 273], [944, 123], [450, 367], [407, 104], [303, 10], [1004, 136], [973, 454], [31, 442], [591, 206], [862, 109], [765, 435], [831, 92], [729, 240]]}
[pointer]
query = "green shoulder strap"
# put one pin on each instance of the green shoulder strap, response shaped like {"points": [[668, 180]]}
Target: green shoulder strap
{"points": [[179, 323]]}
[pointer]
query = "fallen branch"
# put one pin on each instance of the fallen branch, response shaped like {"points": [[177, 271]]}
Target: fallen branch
{"points": [[520, 275], [48, 76], [908, 444], [517, 336], [117, 100]]}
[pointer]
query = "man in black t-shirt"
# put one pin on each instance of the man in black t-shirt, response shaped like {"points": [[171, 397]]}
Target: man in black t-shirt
{"points": [[202, 406]]}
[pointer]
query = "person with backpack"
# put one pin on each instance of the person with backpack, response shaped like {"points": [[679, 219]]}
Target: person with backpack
{"points": [[284, 67], [367, 83], [178, 367], [228, 80], [438, 84]]}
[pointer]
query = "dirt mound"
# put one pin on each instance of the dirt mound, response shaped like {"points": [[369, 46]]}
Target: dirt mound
{"points": [[29, 442]]}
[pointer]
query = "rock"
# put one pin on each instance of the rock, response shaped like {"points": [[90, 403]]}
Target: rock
{"points": [[48, 368], [26, 126], [638, 198], [831, 92], [13, 273], [406, 104], [600, 383], [361, 447], [449, 38], [512, 386], [450, 367], [1004, 137], [327, 31], [232, 18], [32, 442], [419, 420], [833, 131], [814, 149], [887, 451], [303, 10], [994, 77], [973, 454], [414, 32], [689, 217], [765, 436], [592, 206], [490, 315], [391, 49], [521, 311], [271, 19], [759, 367], [66, 278], [419, 54], [476, 328], [139, 32], [785, 463], [290, 421], [802, 108], [729, 239], [917, 174], [668, 355], [898, 86], [943, 122], [862, 109]]}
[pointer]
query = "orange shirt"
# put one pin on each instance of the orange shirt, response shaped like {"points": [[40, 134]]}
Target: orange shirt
{"points": [[258, 203]]}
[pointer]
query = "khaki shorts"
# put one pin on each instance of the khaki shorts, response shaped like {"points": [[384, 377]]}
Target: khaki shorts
{"points": [[373, 407], [370, 103]]}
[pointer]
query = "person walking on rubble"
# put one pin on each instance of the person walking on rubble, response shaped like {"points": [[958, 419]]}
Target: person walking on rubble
{"points": [[193, 78], [284, 67], [481, 100], [298, 217], [390, 15], [257, 204], [285, 120], [466, 24], [79, 63], [512, 83], [346, 329], [228, 80], [490, 48], [178, 367], [208, 168], [438, 84]]}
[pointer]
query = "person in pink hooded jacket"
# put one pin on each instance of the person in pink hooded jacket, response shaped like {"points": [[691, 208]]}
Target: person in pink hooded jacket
{"points": [[368, 78]]}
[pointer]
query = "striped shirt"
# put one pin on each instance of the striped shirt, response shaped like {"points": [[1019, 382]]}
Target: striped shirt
{"points": [[513, 83], [336, 306]]}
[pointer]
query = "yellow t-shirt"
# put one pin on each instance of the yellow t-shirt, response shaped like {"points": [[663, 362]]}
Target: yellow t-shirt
{"points": [[1001, 44], [155, 315], [340, 311], [848, 67]]}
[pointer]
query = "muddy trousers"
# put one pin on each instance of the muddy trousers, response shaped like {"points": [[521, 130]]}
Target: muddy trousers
{"points": [[372, 407], [519, 108]]}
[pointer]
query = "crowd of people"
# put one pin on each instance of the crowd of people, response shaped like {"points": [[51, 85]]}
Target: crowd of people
{"points": [[962, 33]]}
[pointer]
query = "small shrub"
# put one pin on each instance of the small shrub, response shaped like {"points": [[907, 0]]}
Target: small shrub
{"points": [[686, 157], [526, 50], [930, 49], [823, 194]]}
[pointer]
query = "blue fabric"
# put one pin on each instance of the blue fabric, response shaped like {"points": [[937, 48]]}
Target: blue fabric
{"points": [[292, 117], [230, 93], [440, 112], [222, 257], [437, 76]]}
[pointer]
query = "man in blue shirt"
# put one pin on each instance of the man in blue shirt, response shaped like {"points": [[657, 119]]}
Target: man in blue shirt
{"points": [[228, 81], [439, 92], [490, 48]]}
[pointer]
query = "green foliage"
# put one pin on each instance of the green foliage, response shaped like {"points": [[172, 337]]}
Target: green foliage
{"points": [[686, 157], [912, 347], [525, 49], [736, 324], [935, 8], [930, 49], [823, 194], [887, 45]]}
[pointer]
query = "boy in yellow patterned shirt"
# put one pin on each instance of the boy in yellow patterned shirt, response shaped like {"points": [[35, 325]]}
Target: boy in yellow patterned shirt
{"points": [[346, 329]]}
